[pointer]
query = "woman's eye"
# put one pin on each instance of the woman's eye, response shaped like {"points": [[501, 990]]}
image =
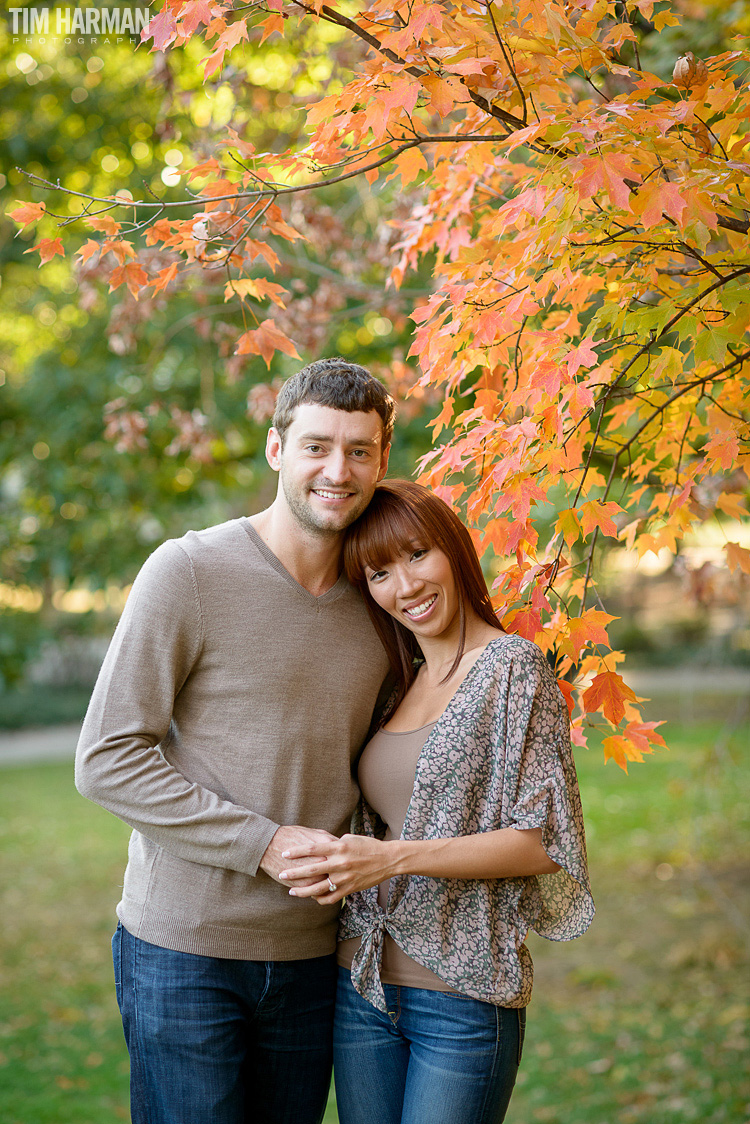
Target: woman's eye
{"points": [[376, 576], [417, 554]]}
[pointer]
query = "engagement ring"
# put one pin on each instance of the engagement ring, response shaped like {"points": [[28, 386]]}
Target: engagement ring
{"points": [[332, 886]]}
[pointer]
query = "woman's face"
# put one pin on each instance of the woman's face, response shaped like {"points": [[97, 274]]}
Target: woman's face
{"points": [[417, 588]]}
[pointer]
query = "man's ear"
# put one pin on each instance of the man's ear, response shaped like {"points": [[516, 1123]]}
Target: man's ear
{"points": [[273, 449], [384, 461]]}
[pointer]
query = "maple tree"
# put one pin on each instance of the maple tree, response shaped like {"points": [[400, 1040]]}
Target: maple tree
{"points": [[585, 219]]}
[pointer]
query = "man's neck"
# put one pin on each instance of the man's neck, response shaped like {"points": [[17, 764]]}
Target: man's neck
{"points": [[313, 560]]}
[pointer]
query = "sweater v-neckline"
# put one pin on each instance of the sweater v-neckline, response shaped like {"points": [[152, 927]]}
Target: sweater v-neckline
{"points": [[264, 549]]}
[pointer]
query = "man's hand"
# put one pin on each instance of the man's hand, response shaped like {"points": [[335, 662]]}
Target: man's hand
{"points": [[293, 837]]}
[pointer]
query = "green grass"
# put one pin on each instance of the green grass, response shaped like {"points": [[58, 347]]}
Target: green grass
{"points": [[645, 1020]]}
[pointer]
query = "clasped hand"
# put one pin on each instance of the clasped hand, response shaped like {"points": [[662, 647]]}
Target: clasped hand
{"points": [[353, 862]]}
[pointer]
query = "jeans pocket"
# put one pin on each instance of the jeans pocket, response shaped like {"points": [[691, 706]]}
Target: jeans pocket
{"points": [[521, 1031]]}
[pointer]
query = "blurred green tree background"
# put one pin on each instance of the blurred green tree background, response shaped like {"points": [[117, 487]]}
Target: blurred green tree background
{"points": [[123, 422]]}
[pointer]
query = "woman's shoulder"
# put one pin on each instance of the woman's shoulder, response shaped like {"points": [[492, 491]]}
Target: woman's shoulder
{"points": [[510, 652]]}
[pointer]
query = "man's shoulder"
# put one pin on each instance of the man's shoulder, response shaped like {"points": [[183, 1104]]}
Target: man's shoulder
{"points": [[204, 549], [221, 536]]}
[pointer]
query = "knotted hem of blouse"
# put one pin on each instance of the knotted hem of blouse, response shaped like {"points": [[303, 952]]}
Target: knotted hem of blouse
{"points": [[365, 970]]}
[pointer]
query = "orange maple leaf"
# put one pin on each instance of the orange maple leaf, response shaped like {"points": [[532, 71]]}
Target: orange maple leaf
{"points": [[589, 628], [442, 97], [644, 736], [732, 504], [120, 248], [620, 749], [131, 274], [105, 223], [229, 38], [256, 287], [608, 692], [264, 341], [566, 690], [738, 557], [262, 249], [26, 213], [47, 248], [597, 513], [163, 277], [87, 250]]}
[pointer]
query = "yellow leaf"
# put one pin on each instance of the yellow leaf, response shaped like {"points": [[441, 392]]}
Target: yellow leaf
{"points": [[569, 524], [410, 164]]}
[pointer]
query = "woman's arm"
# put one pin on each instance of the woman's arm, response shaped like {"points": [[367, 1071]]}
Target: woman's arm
{"points": [[357, 862]]}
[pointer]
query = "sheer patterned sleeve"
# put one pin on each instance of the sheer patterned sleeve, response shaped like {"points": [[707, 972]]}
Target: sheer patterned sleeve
{"points": [[543, 786]]}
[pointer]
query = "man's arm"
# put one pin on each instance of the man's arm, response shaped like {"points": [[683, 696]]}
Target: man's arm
{"points": [[118, 762]]}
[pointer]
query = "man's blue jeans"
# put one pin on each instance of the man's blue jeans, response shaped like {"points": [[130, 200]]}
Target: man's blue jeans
{"points": [[224, 1041], [440, 1059]]}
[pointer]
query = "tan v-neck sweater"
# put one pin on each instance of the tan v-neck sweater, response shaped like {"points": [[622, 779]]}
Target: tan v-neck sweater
{"points": [[231, 701]]}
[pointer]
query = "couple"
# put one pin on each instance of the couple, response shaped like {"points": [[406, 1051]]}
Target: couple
{"points": [[225, 728]]}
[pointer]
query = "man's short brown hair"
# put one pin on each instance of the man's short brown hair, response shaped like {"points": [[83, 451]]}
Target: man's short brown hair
{"points": [[338, 384]]}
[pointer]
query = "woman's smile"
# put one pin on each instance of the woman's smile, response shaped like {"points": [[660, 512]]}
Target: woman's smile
{"points": [[417, 612]]}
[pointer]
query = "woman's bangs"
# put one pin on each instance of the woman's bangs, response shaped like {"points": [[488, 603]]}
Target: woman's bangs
{"points": [[383, 535]]}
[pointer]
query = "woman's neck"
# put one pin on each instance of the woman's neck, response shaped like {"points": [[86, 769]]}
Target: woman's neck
{"points": [[440, 651]]}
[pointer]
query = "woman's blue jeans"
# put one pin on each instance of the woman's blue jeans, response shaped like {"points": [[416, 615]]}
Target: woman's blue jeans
{"points": [[224, 1041], [438, 1058]]}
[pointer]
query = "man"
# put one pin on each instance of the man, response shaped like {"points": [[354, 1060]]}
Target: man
{"points": [[238, 686]]}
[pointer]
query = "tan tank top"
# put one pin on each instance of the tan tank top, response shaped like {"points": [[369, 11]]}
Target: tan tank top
{"points": [[386, 778]]}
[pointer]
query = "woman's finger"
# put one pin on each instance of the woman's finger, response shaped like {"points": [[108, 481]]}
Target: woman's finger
{"points": [[308, 870], [319, 890], [306, 851]]}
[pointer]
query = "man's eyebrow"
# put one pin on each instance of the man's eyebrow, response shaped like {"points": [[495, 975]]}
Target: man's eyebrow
{"points": [[328, 439]]}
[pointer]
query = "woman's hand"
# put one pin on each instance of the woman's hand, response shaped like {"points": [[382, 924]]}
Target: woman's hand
{"points": [[353, 862]]}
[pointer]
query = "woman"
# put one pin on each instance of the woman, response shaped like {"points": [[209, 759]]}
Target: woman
{"points": [[469, 832]]}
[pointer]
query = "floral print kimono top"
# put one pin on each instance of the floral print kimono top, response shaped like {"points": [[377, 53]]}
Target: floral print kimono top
{"points": [[498, 756]]}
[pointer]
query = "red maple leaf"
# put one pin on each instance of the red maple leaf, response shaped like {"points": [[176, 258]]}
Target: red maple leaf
{"points": [[162, 29], [581, 356]]}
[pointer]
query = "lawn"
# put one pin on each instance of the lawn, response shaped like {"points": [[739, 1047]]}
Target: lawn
{"points": [[645, 1020]]}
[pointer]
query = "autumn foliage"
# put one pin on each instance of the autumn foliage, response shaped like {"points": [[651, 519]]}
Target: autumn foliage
{"points": [[587, 221]]}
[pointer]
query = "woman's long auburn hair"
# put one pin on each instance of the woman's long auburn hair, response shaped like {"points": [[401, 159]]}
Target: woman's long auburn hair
{"points": [[401, 516]]}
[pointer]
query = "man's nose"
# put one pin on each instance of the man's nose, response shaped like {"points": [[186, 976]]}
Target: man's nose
{"points": [[337, 467]]}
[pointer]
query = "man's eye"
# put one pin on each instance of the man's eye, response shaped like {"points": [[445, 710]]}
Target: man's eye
{"points": [[314, 448], [361, 454]]}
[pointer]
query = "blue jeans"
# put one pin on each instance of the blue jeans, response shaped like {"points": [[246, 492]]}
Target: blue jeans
{"points": [[441, 1059], [224, 1041]]}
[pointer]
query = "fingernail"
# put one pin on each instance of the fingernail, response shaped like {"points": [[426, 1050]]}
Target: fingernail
{"points": [[292, 893], [285, 854], [283, 874]]}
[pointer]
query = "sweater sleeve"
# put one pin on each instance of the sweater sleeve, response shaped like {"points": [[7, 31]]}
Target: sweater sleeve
{"points": [[118, 761]]}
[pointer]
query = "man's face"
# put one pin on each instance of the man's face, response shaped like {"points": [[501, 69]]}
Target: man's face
{"points": [[329, 465]]}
